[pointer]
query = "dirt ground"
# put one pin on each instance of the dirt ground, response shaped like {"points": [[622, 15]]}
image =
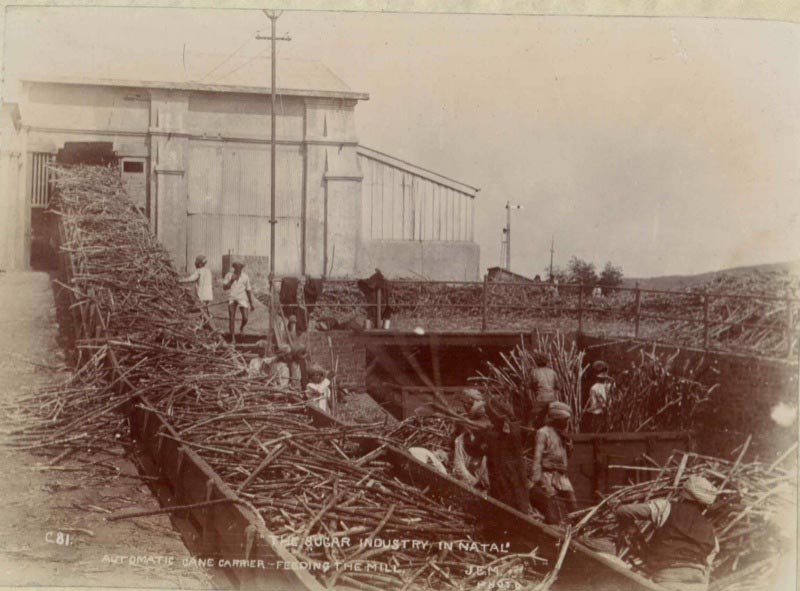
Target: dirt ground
{"points": [[53, 530]]}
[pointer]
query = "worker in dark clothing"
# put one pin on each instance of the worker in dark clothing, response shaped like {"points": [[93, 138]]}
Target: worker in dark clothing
{"points": [[376, 289], [680, 553], [504, 457], [551, 491]]}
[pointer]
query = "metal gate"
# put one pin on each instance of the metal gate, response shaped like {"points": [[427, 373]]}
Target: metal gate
{"points": [[40, 177], [229, 202]]}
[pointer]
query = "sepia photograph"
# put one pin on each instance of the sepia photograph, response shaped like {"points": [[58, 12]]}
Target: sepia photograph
{"points": [[326, 295]]}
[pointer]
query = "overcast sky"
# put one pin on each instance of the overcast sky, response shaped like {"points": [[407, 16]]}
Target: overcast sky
{"points": [[664, 145]]}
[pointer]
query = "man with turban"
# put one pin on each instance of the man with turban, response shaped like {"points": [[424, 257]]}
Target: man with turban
{"points": [[550, 488], [680, 553]]}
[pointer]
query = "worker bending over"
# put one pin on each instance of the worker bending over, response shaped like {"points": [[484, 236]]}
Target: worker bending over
{"points": [[679, 555], [469, 451], [276, 367], [203, 283], [240, 295], [551, 490]]}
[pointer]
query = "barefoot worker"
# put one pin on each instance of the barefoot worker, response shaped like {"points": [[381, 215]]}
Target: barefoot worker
{"points": [[240, 295]]}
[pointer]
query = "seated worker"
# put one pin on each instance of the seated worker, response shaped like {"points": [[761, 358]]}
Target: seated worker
{"points": [[679, 555], [551, 490], [318, 389], [434, 459], [279, 366], [469, 452]]}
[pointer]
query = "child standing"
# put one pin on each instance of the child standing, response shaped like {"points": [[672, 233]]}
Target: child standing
{"points": [[318, 389]]}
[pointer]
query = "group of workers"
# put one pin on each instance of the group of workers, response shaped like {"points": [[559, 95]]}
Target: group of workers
{"points": [[288, 367], [488, 450], [236, 283], [489, 453]]}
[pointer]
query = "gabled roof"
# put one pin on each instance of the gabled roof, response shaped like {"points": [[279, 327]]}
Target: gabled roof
{"points": [[208, 72]]}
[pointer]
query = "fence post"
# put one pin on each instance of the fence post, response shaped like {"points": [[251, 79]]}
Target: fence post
{"points": [[580, 308], [789, 327], [378, 317], [637, 318], [705, 320], [485, 306]]}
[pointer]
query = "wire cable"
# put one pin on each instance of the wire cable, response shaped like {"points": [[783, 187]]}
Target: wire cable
{"points": [[227, 59]]}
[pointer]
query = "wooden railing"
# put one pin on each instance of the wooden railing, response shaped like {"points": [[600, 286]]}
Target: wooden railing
{"points": [[498, 305]]}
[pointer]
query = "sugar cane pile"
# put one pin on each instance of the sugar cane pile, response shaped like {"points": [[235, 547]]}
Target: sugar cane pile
{"points": [[657, 394], [755, 325], [331, 502], [510, 382], [341, 304], [305, 483], [753, 499]]}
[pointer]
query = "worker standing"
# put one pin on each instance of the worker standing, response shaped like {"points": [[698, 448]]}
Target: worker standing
{"points": [[543, 389], [683, 547], [551, 490], [504, 456], [593, 419], [203, 283], [240, 295]]}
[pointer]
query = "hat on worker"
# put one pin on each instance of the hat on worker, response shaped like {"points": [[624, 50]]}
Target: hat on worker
{"points": [[200, 259], [237, 264], [558, 410], [473, 394], [700, 489], [599, 367], [284, 349], [316, 370], [541, 358]]}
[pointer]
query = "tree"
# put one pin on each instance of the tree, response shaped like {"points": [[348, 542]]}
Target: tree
{"points": [[583, 272], [610, 277]]}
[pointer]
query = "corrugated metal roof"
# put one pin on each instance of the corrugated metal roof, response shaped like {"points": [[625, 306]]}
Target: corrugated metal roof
{"points": [[210, 72]]}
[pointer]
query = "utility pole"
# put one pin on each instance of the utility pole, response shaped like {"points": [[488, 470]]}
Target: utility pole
{"points": [[273, 16], [552, 242], [507, 233]]}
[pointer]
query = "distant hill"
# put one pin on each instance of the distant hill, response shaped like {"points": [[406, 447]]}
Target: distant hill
{"points": [[680, 282]]}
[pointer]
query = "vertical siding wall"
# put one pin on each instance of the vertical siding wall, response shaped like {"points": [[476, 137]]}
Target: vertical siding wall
{"points": [[14, 209], [401, 205], [229, 206]]}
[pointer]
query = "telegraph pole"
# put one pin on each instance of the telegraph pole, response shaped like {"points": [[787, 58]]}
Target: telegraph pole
{"points": [[507, 232], [273, 16], [552, 242]]}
